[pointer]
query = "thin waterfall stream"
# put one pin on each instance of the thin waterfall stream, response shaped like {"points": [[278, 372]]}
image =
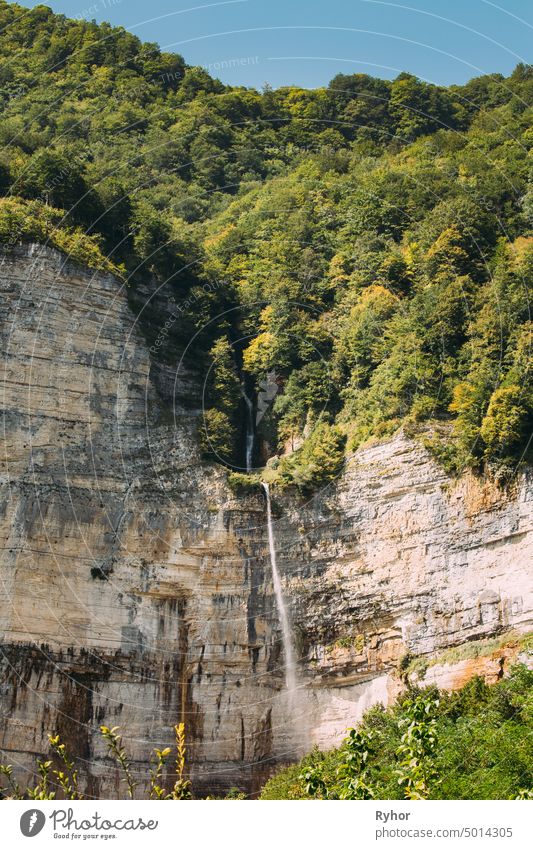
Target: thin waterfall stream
{"points": [[286, 634], [249, 431]]}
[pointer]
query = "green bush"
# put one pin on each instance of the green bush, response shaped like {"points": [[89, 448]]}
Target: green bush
{"points": [[505, 422], [244, 483], [474, 743], [364, 264], [217, 436], [32, 221], [318, 462]]}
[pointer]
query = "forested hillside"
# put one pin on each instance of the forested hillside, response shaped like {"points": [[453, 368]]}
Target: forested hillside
{"points": [[371, 241]]}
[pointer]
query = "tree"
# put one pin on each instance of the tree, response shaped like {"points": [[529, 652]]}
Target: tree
{"points": [[223, 385], [504, 425], [217, 436], [418, 108], [318, 462], [416, 753], [56, 179]]}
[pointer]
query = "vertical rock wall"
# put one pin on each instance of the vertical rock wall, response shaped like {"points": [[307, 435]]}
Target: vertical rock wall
{"points": [[135, 587]]}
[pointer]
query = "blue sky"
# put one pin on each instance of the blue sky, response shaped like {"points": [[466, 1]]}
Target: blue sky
{"points": [[306, 42]]}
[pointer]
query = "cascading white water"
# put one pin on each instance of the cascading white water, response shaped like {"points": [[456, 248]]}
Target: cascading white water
{"points": [[249, 432], [286, 634]]}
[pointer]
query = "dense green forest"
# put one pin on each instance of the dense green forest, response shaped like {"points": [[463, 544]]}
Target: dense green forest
{"points": [[368, 244]]}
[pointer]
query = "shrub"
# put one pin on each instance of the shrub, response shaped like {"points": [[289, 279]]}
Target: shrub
{"points": [[63, 777], [470, 744], [504, 422], [319, 460], [22, 221], [217, 436]]}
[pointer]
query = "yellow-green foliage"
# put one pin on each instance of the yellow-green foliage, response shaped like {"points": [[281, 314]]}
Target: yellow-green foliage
{"points": [[34, 222], [217, 435], [240, 482], [318, 462], [504, 424], [60, 779], [347, 239]]}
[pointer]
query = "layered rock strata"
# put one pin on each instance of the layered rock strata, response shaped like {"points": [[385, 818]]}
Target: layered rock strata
{"points": [[135, 585]]}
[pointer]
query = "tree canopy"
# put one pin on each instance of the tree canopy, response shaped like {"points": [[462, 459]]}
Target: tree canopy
{"points": [[369, 242]]}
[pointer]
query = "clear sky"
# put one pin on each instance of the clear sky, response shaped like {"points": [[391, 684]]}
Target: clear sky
{"points": [[306, 42]]}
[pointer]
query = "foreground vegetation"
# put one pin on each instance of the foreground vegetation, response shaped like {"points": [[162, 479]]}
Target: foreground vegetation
{"points": [[58, 776], [475, 743], [372, 239]]}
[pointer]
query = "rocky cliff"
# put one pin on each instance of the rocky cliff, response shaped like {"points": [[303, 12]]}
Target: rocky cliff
{"points": [[136, 588]]}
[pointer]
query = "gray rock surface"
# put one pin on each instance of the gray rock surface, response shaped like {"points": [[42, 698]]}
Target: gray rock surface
{"points": [[135, 586]]}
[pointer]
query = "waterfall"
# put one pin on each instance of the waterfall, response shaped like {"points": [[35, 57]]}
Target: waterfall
{"points": [[288, 648], [249, 431]]}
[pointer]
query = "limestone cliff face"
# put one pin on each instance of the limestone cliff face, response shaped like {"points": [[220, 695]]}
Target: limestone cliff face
{"points": [[135, 586]]}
